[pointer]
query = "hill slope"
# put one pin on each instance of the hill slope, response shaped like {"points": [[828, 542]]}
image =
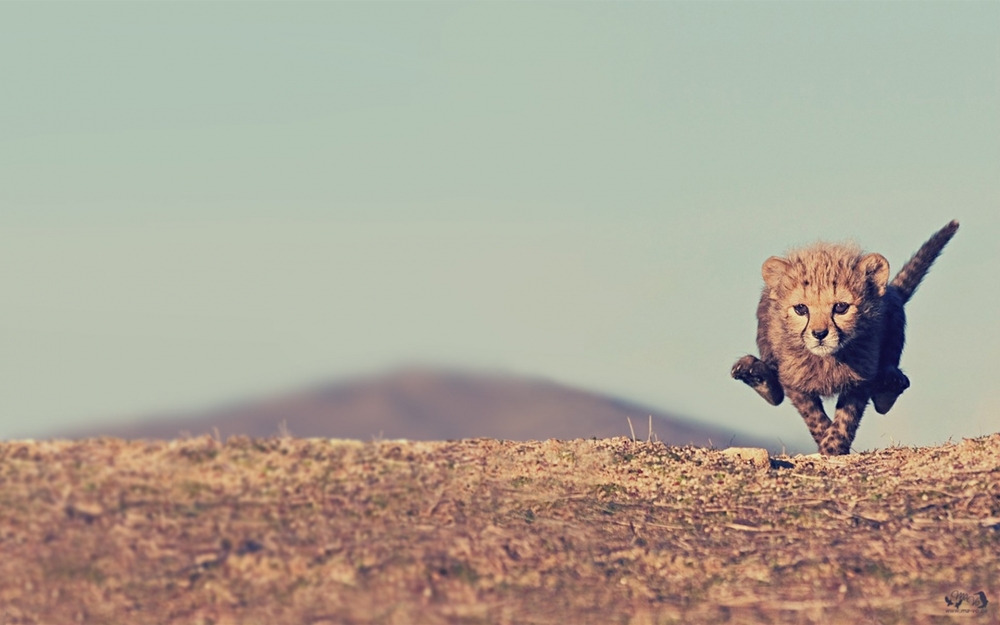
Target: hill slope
{"points": [[431, 405], [485, 531]]}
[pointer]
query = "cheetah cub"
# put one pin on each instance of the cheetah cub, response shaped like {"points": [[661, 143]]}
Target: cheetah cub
{"points": [[829, 322]]}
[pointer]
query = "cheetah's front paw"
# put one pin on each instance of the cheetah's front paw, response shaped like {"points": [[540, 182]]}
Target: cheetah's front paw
{"points": [[888, 386], [760, 377]]}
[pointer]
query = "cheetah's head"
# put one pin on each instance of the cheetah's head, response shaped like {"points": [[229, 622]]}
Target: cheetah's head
{"points": [[826, 294]]}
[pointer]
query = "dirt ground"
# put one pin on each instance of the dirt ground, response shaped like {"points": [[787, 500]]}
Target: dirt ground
{"points": [[284, 530]]}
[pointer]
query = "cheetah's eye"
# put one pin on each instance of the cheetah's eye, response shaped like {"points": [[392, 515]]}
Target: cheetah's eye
{"points": [[800, 309], [840, 308]]}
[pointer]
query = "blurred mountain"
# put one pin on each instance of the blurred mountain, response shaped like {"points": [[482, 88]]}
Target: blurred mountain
{"points": [[420, 404]]}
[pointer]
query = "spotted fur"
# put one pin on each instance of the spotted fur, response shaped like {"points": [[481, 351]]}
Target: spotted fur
{"points": [[829, 322]]}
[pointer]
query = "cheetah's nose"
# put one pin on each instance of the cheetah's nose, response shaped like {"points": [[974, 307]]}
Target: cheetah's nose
{"points": [[821, 334]]}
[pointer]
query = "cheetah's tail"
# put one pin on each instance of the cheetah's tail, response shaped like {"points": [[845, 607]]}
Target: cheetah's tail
{"points": [[909, 277]]}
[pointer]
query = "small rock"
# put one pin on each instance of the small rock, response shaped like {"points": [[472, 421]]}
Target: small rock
{"points": [[342, 573], [88, 511], [754, 455]]}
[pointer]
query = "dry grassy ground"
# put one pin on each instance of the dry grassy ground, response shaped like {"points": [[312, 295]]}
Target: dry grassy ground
{"points": [[484, 531]]}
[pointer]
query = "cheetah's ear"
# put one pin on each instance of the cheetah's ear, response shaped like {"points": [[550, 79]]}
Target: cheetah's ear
{"points": [[773, 270], [876, 269]]}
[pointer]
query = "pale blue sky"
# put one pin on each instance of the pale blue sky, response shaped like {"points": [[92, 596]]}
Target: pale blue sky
{"points": [[202, 202]]}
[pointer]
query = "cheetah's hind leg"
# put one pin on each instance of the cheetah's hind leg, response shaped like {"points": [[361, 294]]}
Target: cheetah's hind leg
{"points": [[756, 374], [888, 386]]}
